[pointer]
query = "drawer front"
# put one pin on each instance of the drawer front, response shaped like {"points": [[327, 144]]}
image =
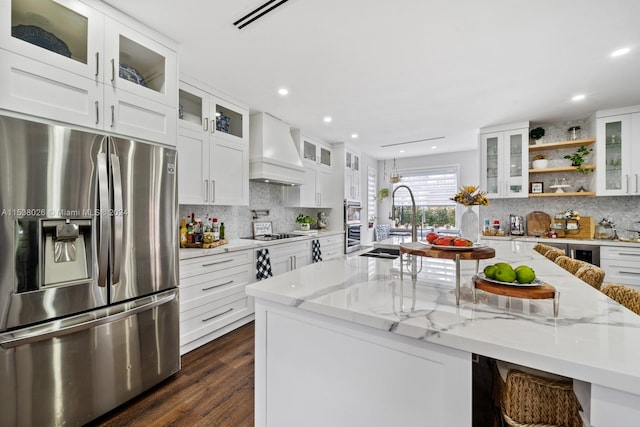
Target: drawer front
{"points": [[212, 263], [203, 289], [620, 253], [621, 271], [278, 252], [202, 320], [338, 239], [333, 251]]}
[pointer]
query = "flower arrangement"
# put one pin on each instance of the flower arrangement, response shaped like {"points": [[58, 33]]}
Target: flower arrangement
{"points": [[471, 195]]}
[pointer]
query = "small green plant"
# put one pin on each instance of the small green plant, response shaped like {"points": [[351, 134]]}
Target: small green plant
{"points": [[536, 133], [578, 158], [383, 193], [305, 219]]}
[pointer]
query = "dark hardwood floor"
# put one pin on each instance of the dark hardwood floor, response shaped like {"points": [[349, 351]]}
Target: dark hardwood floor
{"points": [[213, 388]]}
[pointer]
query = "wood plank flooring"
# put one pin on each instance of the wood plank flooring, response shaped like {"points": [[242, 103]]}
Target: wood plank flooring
{"points": [[213, 388]]}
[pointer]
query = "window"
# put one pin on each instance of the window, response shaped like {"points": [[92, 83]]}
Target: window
{"points": [[372, 177], [432, 189]]}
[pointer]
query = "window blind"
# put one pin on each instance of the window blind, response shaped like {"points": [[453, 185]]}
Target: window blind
{"points": [[372, 177], [430, 187]]}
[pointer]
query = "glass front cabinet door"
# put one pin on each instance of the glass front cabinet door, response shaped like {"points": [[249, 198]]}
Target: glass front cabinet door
{"points": [[616, 175], [504, 164]]}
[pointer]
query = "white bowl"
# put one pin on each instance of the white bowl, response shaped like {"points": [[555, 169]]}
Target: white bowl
{"points": [[540, 164]]}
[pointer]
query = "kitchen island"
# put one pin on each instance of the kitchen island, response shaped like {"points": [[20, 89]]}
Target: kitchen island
{"points": [[346, 342]]}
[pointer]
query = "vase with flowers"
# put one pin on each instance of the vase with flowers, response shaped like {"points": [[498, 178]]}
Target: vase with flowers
{"points": [[470, 196]]}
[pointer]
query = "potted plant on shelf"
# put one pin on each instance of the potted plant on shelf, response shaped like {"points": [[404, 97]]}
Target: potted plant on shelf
{"points": [[305, 222], [578, 158], [537, 134], [540, 161]]}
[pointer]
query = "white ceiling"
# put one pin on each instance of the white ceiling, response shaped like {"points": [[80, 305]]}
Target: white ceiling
{"points": [[406, 70]]}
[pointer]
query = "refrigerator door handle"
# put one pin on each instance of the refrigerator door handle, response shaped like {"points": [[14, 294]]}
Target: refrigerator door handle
{"points": [[117, 214], [105, 231], [36, 334]]}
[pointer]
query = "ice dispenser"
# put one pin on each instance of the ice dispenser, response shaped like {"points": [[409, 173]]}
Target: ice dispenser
{"points": [[66, 250]]}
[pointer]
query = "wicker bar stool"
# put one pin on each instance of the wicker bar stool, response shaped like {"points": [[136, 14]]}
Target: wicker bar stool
{"points": [[624, 295], [554, 253], [542, 249], [591, 274], [570, 264], [528, 397]]}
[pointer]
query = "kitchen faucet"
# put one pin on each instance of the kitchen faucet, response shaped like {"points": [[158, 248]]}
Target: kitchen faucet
{"points": [[414, 225]]}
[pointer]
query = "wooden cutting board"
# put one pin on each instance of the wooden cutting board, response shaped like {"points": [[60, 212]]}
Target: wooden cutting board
{"points": [[538, 223]]}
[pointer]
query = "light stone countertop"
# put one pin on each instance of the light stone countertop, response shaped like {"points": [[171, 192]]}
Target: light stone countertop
{"points": [[593, 339], [242, 244]]}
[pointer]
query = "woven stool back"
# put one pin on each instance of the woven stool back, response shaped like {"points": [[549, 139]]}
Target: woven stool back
{"points": [[569, 264], [624, 295], [591, 274]]}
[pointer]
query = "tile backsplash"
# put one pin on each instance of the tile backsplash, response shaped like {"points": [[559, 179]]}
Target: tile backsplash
{"points": [[238, 219], [624, 211]]}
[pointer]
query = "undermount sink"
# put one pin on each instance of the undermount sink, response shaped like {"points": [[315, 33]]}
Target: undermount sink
{"points": [[383, 253]]}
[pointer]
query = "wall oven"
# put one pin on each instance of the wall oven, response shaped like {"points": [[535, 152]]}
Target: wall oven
{"points": [[352, 225]]}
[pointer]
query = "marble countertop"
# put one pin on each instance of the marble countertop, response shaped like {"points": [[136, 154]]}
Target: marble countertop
{"points": [[595, 242], [593, 339], [242, 244]]}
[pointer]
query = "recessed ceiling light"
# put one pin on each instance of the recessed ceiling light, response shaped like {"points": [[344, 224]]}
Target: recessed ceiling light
{"points": [[433, 147], [266, 180], [621, 52], [578, 97], [402, 151], [283, 91], [354, 135], [327, 119]]}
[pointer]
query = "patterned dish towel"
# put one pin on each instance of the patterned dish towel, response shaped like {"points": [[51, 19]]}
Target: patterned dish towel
{"points": [[316, 254], [263, 264]]}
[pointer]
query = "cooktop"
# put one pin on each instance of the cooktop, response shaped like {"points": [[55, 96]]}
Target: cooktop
{"points": [[268, 237]]}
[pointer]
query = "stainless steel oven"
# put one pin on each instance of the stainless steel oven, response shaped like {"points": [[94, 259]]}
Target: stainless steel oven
{"points": [[352, 225]]}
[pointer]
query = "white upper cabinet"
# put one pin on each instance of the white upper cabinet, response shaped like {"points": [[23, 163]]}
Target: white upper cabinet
{"points": [[213, 153], [65, 60], [352, 175], [317, 189], [618, 148], [504, 163]]}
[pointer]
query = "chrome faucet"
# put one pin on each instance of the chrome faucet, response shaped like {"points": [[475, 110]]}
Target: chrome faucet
{"points": [[414, 225]]}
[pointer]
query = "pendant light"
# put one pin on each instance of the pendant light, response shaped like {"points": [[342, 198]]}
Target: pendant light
{"points": [[395, 177]]}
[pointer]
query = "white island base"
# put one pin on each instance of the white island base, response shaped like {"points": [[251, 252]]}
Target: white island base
{"points": [[312, 370]]}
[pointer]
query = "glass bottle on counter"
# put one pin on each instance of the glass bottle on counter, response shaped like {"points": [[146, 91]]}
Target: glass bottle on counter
{"points": [[183, 233], [222, 231], [216, 230]]}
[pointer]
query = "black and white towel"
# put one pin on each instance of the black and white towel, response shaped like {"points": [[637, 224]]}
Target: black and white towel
{"points": [[263, 264], [316, 254]]}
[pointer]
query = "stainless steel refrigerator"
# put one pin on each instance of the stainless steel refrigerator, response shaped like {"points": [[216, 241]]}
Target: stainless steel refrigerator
{"points": [[88, 272]]}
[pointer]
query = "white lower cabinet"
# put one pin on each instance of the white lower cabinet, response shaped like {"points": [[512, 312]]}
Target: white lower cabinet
{"points": [[621, 264], [212, 296], [332, 246], [289, 256]]}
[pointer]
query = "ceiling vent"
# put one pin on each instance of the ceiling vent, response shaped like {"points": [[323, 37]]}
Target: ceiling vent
{"points": [[258, 13]]}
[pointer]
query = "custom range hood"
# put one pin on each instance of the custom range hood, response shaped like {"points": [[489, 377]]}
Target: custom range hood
{"points": [[274, 157]]}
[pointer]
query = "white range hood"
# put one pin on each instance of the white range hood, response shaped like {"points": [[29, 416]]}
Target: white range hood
{"points": [[273, 154]]}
